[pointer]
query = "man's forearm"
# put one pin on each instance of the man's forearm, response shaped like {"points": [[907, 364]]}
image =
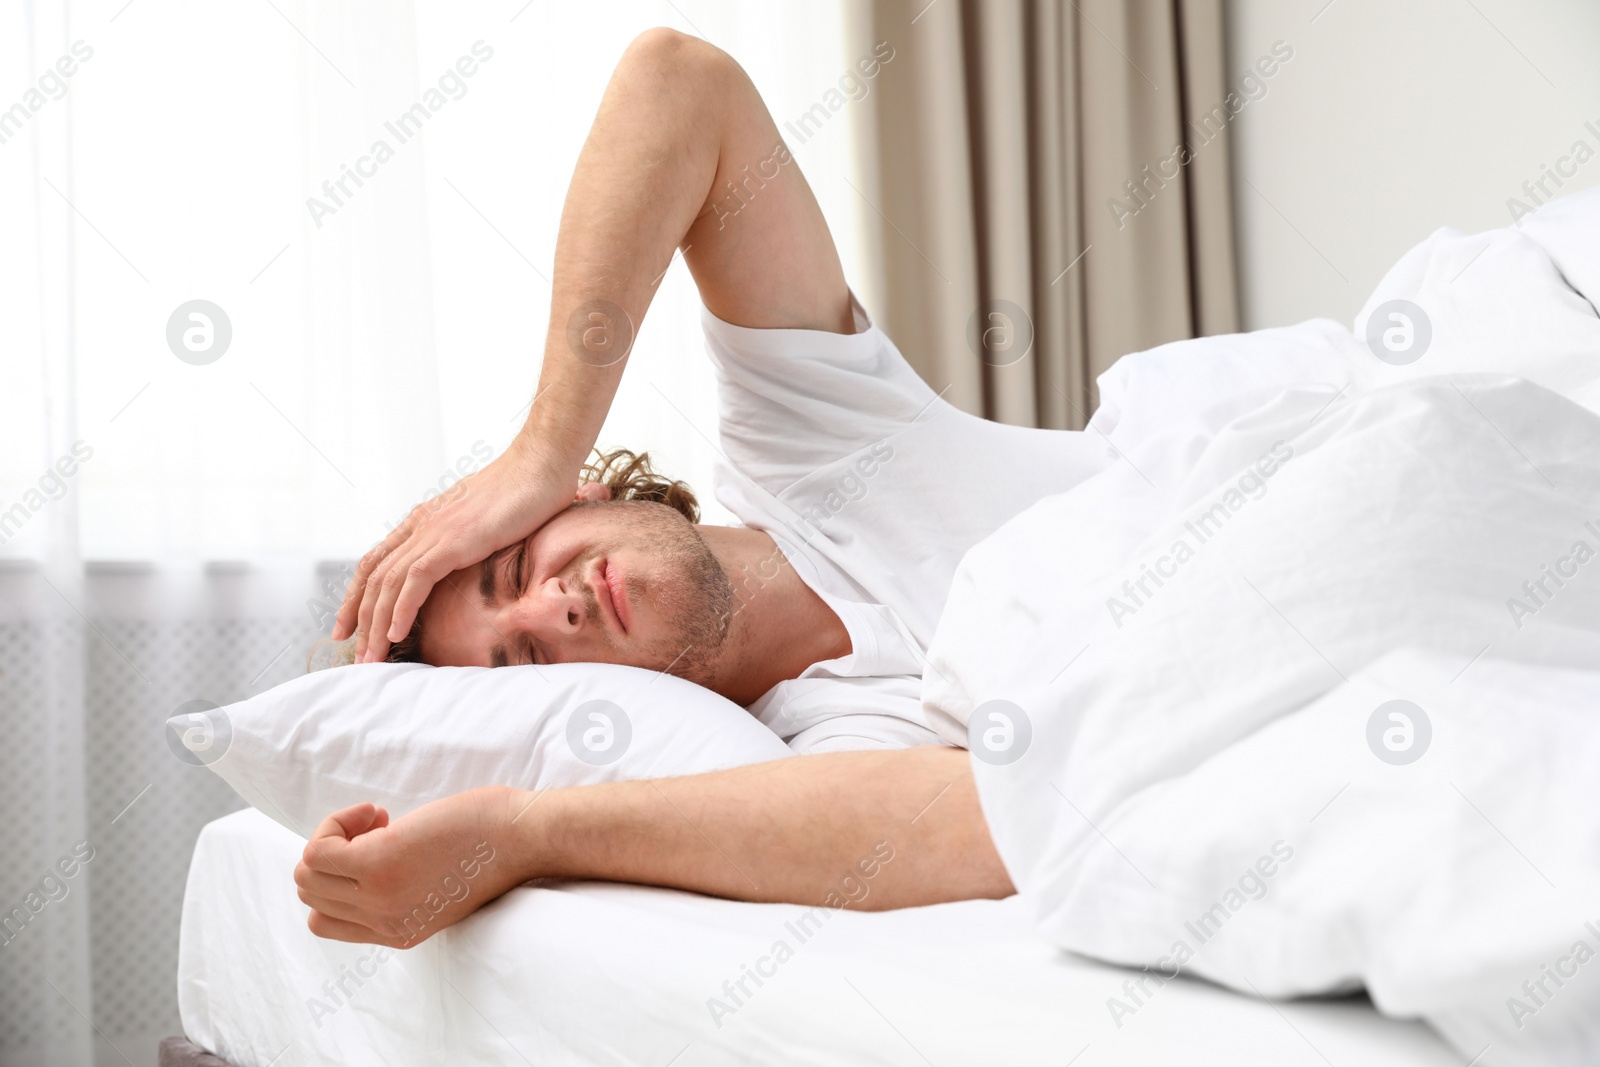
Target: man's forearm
{"points": [[641, 179], [683, 153], [790, 831], [869, 830]]}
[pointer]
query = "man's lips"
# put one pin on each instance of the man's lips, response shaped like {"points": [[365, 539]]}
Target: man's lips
{"points": [[614, 593]]}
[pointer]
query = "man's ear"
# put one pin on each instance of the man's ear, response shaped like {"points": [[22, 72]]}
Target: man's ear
{"points": [[594, 491]]}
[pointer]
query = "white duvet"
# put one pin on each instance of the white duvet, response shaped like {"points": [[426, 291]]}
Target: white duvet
{"points": [[1178, 678]]}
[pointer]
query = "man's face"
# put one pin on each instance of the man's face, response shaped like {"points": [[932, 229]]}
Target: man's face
{"points": [[603, 582]]}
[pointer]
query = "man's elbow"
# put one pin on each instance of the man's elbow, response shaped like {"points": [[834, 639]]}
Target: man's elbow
{"points": [[664, 54]]}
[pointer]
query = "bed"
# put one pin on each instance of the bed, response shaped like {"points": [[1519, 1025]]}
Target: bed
{"points": [[611, 974]]}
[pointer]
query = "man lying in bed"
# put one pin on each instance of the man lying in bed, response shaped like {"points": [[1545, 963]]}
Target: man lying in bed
{"points": [[859, 489]]}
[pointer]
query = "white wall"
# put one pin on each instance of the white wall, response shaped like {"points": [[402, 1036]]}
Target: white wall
{"points": [[1392, 120]]}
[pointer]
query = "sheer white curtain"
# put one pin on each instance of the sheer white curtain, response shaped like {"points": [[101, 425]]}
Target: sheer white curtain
{"points": [[174, 514]]}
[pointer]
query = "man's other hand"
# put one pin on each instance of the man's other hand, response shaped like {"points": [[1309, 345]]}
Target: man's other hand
{"points": [[367, 880]]}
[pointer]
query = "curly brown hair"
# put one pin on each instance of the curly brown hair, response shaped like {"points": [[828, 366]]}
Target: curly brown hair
{"points": [[629, 476]]}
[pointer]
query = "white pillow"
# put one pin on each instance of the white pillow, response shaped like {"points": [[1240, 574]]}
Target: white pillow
{"points": [[401, 735]]}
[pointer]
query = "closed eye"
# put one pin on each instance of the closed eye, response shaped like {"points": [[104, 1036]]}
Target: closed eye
{"points": [[519, 573], [506, 586], [517, 582], [508, 570]]}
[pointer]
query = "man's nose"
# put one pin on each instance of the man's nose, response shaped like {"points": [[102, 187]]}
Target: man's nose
{"points": [[556, 608]]}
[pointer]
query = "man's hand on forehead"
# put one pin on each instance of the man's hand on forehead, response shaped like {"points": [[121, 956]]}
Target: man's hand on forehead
{"points": [[438, 525]]}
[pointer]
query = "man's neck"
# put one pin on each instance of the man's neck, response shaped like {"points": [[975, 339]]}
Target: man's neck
{"points": [[779, 627]]}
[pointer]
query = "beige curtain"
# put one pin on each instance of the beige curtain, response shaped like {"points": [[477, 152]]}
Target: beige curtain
{"points": [[1049, 182]]}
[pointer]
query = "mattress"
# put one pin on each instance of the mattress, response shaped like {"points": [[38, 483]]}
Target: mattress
{"points": [[591, 973]]}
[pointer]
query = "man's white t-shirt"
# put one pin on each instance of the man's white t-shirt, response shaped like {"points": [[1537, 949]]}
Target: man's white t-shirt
{"points": [[873, 487]]}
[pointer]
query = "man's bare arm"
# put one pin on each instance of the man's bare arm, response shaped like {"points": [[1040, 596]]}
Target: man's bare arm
{"points": [[682, 154], [790, 831]]}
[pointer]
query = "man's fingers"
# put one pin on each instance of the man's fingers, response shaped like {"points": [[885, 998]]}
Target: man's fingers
{"points": [[395, 577], [350, 822], [338, 847], [320, 885], [372, 629], [331, 855], [333, 929], [369, 599], [333, 908], [423, 574], [345, 623]]}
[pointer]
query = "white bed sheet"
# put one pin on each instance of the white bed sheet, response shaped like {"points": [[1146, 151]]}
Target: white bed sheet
{"points": [[610, 974]]}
